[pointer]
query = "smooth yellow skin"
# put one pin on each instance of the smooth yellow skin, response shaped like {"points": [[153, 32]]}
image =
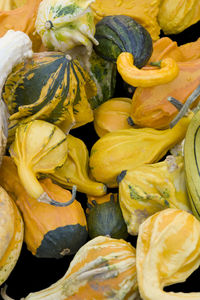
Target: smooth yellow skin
{"points": [[167, 252], [146, 78]]}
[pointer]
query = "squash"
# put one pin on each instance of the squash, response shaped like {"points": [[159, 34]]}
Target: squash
{"points": [[75, 171], [105, 217], [98, 269], [14, 48], [175, 16], [48, 229], [60, 97], [65, 24], [167, 253], [117, 34], [22, 19], [149, 188], [39, 147], [112, 115], [150, 107], [127, 149], [11, 235], [145, 12]]}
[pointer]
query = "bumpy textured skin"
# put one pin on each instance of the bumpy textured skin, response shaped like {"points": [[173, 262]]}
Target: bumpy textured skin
{"points": [[150, 188], [102, 268], [71, 24], [129, 148], [167, 253]]}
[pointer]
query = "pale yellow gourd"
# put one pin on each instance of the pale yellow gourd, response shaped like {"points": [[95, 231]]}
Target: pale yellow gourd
{"points": [[150, 188], [167, 252]]}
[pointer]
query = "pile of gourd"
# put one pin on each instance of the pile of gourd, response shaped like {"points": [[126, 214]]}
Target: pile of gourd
{"points": [[60, 60]]}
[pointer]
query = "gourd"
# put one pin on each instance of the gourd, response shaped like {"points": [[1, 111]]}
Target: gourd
{"points": [[105, 217], [150, 107], [127, 149], [11, 4], [50, 231], [63, 88], [103, 263], [176, 16], [117, 34], [191, 157], [65, 24], [112, 115], [167, 253], [144, 12], [22, 19], [39, 147], [149, 188], [14, 48], [75, 170], [11, 235]]}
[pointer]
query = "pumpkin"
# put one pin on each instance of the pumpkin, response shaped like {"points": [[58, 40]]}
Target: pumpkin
{"points": [[60, 97], [176, 16], [22, 19], [14, 48], [105, 217], [150, 107], [167, 253], [127, 149], [112, 115], [149, 188], [144, 12], [98, 269], [39, 147], [11, 235], [65, 24], [48, 229], [75, 171], [117, 34]]}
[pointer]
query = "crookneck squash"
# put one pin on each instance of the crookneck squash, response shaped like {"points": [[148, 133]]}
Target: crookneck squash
{"points": [[149, 188], [75, 171], [39, 147], [167, 253], [50, 231], [22, 19], [112, 115], [117, 34], [105, 217], [97, 271], [129, 148], [11, 234], [51, 86]]}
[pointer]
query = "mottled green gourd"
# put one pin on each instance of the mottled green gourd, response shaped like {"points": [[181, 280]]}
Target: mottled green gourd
{"points": [[51, 86], [106, 218]]}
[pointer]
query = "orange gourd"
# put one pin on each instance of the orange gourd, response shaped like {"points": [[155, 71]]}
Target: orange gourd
{"points": [[150, 107], [48, 229], [22, 19]]}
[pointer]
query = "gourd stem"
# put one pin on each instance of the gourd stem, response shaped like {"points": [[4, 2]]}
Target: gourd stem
{"points": [[195, 94], [130, 121], [156, 63], [3, 293], [46, 199], [175, 102], [121, 176]]}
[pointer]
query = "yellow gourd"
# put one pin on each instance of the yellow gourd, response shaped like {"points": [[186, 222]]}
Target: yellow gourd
{"points": [[167, 253], [129, 148], [150, 188]]}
